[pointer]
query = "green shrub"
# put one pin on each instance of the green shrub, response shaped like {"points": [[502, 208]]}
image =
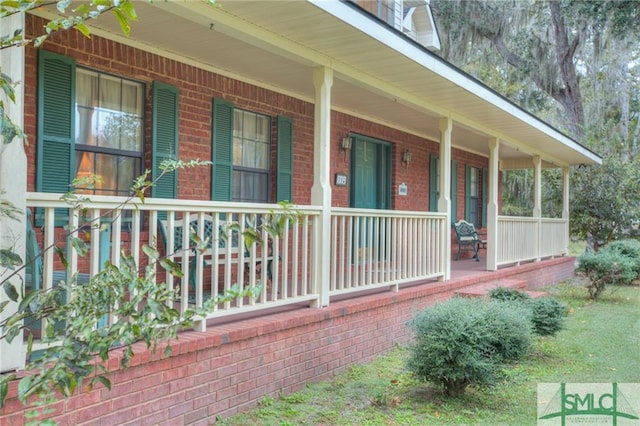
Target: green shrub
{"points": [[617, 264], [465, 342], [547, 316], [508, 293], [627, 248]]}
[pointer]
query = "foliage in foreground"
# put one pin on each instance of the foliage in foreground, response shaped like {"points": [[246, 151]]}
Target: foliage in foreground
{"points": [[466, 341], [70, 319], [618, 263]]}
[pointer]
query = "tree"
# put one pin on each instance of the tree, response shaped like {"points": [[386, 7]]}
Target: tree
{"points": [[573, 63]]}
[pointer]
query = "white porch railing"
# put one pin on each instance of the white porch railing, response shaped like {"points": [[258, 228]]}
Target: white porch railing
{"points": [[523, 239], [284, 269], [383, 248], [369, 248]]}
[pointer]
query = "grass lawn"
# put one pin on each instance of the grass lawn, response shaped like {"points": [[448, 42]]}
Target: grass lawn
{"points": [[601, 343]]}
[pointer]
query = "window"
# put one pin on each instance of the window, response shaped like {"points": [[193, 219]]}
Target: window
{"points": [[241, 155], [91, 123], [472, 195], [108, 130], [251, 148]]}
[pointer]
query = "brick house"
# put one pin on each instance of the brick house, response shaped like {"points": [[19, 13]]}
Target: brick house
{"points": [[338, 107]]}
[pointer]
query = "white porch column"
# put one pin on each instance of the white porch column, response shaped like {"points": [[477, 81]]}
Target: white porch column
{"points": [[537, 200], [13, 182], [492, 205], [565, 206], [444, 200], [321, 189], [537, 187]]}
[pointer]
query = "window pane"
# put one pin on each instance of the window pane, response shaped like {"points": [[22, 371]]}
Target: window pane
{"points": [[249, 154], [249, 126], [110, 89], [237, 151], [109, 116], [262, 156], [86, 100], [262, 128], [474, 182], [250, 186]]}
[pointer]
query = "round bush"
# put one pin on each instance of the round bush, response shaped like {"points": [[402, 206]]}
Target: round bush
{"points": [[465, 341], [547, 316]]}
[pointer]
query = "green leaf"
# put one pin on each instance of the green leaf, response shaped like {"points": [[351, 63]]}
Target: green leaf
{"points": [[25, 389], [151, 252], [105, 381], [123, 21], [9, 259], [129, 10], [4, 387], [26, 301], [84, 29], [10, 291], [171, 267], [79, 245], [61, 256]]}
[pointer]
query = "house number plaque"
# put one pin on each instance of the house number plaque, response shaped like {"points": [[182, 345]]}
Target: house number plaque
{"points": [[341, 179]]}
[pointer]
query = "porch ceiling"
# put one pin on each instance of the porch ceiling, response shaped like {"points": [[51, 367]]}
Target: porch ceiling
{"points": [[378, 74]]}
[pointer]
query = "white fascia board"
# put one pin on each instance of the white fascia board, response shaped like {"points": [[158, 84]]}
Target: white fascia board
{"points": [[390, 38]]}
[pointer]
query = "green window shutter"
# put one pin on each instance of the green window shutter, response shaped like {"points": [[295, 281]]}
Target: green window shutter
{"points": [[56, 164], [164, 138], [222, 171], [433, 183], [467, 193], [485, 179], [284, 190], [454, 191]]}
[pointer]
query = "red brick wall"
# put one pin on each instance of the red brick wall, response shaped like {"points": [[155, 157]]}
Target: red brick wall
{"points": [[232, 367], [197, 87]]}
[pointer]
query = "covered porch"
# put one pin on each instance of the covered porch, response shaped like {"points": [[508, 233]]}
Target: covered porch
{"points": [[339, 75], [369, 249]]}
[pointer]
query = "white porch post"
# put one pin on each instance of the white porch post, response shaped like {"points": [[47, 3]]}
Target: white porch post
{"points": [[13, 183], [444, 200], [321, 189], [537, 200], [565, 206], [492, 205]]}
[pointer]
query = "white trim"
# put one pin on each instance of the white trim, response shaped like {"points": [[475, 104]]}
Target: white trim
{"points": [[397, 42]]}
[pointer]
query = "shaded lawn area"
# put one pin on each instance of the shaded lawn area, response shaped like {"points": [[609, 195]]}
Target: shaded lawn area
{"points": [[601, 343]]}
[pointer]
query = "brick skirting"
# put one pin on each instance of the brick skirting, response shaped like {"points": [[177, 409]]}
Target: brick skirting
{"points": [[233, 366]]}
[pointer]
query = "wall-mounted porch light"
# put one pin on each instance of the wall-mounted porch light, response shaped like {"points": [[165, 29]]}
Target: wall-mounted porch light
{"points": [[345, 143], [406, 158]]}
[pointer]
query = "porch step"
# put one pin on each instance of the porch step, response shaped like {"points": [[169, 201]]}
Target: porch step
{"points": [[482, 289]]}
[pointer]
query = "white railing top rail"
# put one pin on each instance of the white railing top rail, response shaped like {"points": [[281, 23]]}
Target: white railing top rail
{"points": [[42, 199], [530, 219], [349, 211]]}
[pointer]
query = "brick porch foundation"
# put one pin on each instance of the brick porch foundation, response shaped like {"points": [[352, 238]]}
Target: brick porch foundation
{"points": [[233, 366]]}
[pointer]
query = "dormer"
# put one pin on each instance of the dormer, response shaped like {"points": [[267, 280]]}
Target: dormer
{"points": [[418, 23]]}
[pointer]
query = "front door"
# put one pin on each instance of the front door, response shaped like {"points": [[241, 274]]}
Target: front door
{"points": [[370, 174], [369, 188]]}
